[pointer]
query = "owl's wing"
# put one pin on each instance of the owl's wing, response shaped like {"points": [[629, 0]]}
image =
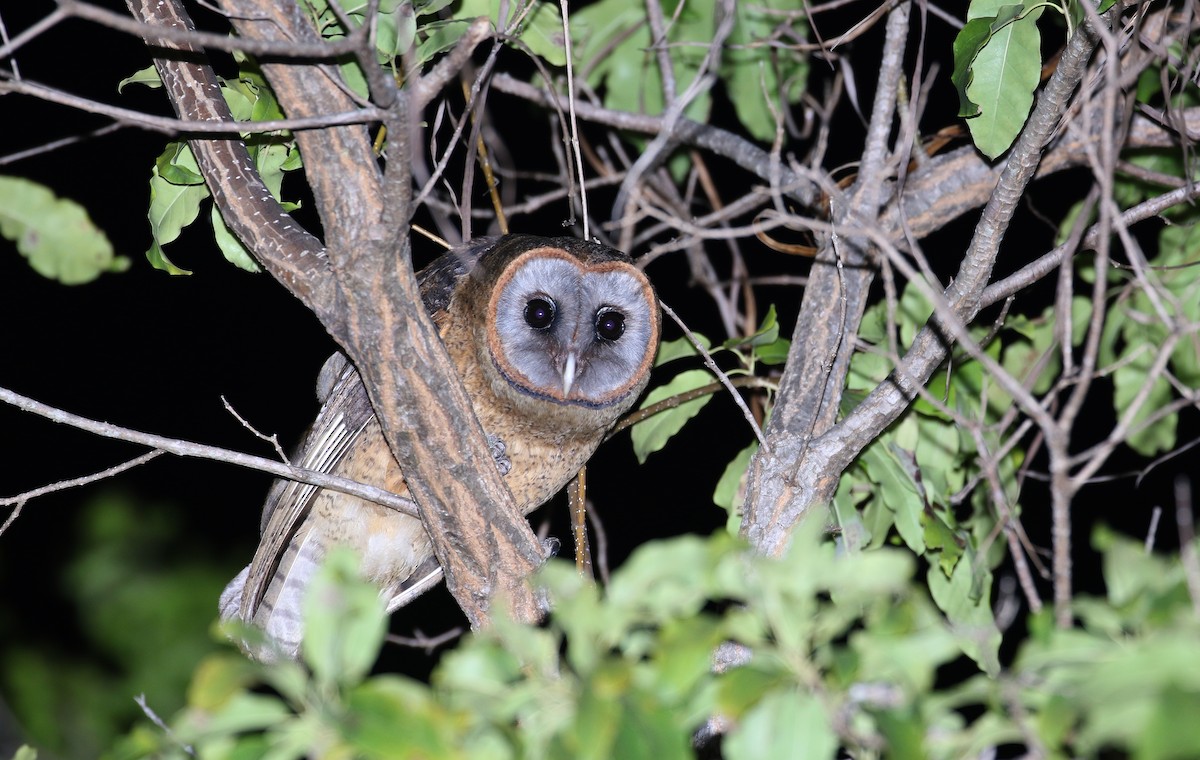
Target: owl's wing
{"points": [[440, 277], [343, 416]]}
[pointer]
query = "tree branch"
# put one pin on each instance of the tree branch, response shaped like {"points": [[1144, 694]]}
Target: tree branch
{"points": [[365, 294], [201, 451], [823, 341], [169, 126], [964, 296]]}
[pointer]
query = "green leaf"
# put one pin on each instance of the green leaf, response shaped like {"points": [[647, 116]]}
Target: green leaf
{"points": [[243, 712], [970, 617], [781, 724], [218, 679], [1004, 75], [757, 73], [670, 578], [25, 752], [612, 42], [438, 36], [967, 44], [158, 259], [231, 246], [854, 535], [178, 166], [239, 99], [941, 538], [541, 29], [395, 717], [55, 234], [652, 434], [344, 621], [765, 344], [730, 483], [730, 493], [894, 470], [774, 353], [766, 334], [1129, 380], [395, 32], [172, 207], [679, 348], [1172, 730], [147, 77]]}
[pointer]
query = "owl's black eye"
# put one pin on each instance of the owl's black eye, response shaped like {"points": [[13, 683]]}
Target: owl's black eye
{"points": [[610, 324], [539, 313]]}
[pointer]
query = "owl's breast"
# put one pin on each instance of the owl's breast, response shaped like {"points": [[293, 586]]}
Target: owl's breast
{"points": [[544, 455], [391, 544], [546, 443]]}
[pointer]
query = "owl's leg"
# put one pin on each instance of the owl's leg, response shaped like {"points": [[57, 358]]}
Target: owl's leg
{"points": [[499, 453]]}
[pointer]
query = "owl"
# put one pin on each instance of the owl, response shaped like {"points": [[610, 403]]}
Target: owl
{"points": [[553, 339]]}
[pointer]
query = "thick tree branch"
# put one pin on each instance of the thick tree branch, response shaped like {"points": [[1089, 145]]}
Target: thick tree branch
{"points": [[964, 296], [365, 294], [823, 341]]}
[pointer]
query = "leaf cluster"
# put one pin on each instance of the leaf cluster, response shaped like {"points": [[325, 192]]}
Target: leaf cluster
{"points": [[833, 651]]}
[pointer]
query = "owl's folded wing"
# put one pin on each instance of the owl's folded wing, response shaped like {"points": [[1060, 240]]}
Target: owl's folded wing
{"points": [[343, 417]]}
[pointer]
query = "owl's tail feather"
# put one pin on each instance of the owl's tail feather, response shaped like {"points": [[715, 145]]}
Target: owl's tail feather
{"points": [[280, 615]]}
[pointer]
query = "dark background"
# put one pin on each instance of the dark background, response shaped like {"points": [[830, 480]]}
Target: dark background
{"points": [[157, 353]]}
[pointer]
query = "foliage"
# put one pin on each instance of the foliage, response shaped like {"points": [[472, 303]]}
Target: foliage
{"points": [[141, 628], [177, 190], [55, 234], [997, 64], [844, 652]]}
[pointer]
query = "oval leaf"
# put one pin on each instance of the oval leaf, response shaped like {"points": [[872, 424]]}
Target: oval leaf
{"points": [[55, 234], [652, 434]]}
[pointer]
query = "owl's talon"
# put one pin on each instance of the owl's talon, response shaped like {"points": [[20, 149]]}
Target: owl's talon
{"points": [[499, 454]]}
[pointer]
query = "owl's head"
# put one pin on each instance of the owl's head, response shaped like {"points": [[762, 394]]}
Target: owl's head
{"points": [[569, 322]]}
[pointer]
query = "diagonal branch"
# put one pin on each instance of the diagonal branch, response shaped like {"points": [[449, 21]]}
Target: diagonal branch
{"points": [[363, 290], [180, 448], [823, 341], [292, 255]]}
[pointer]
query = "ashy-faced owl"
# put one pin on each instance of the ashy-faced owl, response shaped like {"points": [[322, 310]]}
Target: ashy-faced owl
{"points": [[553, 339]]}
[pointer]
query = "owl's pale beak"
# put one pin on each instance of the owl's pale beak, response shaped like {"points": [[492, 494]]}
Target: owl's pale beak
{"points": [[568, 374]]}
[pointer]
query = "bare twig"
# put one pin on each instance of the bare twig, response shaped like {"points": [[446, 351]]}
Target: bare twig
{"points": [[84, 480], [574, 121], [426, 643], [12, 517], [1152, 531], [149, 712], [201, 451], [721, 377], [170, 126], [271, 439]]}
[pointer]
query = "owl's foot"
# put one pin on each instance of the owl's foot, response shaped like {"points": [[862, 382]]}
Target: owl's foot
{"points": [[499, 454]]}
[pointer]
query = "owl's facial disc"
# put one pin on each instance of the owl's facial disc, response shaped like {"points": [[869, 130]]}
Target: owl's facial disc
{"points": [[570, 332]]}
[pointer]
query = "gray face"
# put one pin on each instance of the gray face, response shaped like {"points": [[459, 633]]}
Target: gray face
{"points": [[570, 332]]}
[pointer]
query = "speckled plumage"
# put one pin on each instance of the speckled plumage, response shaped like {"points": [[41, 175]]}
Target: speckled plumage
{"points": [[478, 296]]}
